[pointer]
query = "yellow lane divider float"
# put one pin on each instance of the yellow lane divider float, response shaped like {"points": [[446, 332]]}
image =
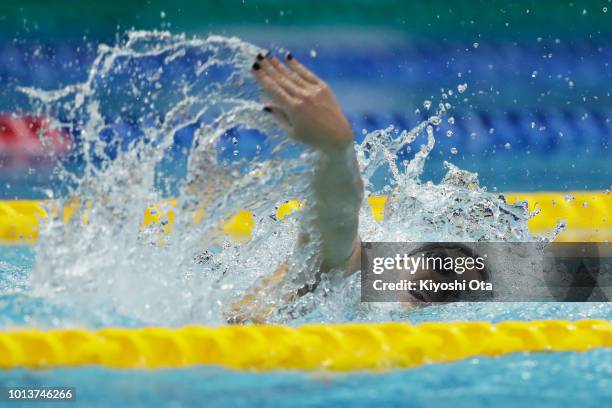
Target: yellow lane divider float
{"points": [[345, 347], [588, 216]]}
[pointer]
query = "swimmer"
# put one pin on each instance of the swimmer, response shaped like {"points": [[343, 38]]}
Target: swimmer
{"points": [[307, 109]]}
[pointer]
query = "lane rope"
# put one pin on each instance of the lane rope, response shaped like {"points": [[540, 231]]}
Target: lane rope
{"points": [[586, 214], [345, 347]]}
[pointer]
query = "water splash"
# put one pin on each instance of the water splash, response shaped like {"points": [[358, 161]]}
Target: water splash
{"points": [[104, 266]]}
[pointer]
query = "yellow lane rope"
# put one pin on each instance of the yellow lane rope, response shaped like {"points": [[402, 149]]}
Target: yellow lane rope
{"points": [[345, 347], [588, 216]]}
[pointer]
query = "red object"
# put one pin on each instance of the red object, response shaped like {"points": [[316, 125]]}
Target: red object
{"points": [[30, 141]]}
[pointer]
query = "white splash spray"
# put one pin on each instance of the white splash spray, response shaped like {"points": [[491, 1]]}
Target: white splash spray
{"points": [[112, 270]]}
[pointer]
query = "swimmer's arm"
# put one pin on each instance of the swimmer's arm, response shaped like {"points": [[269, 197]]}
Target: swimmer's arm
{"points": [[307, 108], [338, 194]]}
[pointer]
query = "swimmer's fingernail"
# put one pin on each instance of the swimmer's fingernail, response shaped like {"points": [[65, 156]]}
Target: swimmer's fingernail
{"points": [[267, 109], [256, 66], [289, 56], [260, 57]]}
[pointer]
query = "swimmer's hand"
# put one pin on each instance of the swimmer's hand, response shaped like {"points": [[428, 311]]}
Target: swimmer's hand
{"points": [[303, 104]]}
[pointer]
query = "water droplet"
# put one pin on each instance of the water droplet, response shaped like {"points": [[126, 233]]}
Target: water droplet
{"points": [[427, 104], [162, 14], [449, 133], [475, 45], [472, 136], [507, 146], [417, 112], [313, 53], [454, 150], [462, 88], [234, 141], [569, 198], [451, 120], [534, 74]]}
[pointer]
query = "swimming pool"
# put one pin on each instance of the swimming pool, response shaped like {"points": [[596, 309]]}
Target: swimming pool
{"points": [[97, 264]]}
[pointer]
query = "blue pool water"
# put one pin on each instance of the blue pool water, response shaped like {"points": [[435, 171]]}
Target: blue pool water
{"points": [[543, 380]]}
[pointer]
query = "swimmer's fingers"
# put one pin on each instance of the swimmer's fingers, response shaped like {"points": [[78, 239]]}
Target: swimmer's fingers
{"points": [[291, 88], [302, 71], [280, 75], [290, 75], [276, 69], [272, 87]]}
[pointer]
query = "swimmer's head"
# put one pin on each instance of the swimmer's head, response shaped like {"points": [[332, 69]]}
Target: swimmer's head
{"points": [[447, 263]]}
